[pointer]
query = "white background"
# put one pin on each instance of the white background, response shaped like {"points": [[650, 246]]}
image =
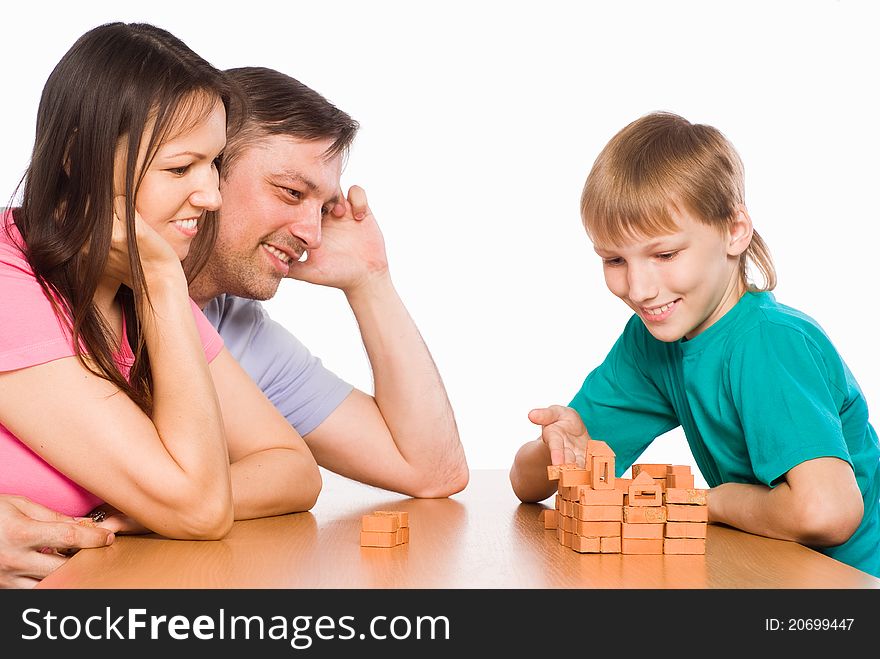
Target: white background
{"points": [[480, 121]]}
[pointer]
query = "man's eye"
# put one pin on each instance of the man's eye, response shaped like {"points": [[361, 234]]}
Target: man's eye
{"points": [[296, 194]]}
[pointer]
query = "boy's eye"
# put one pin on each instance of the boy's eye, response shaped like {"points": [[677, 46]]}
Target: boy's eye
{"points": [[667, 256], [613, 261]]}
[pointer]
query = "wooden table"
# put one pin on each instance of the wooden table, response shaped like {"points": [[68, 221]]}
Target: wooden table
{"points": [[480, 538]]}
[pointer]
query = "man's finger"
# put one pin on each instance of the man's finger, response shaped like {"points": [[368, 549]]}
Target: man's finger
{"points": [[357, 197], [70, 535]]}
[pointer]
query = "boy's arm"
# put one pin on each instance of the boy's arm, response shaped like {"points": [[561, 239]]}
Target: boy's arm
{"points": [[563, 440], [818, 504]]}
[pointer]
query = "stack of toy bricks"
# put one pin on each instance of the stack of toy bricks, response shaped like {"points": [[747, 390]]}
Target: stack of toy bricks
{"points": [[657, 511], [385, 528]]}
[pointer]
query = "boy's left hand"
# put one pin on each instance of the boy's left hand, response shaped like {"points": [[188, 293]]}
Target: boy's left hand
{"points": [[564, 433]]}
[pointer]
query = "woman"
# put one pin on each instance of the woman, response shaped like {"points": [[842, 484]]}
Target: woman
{"points": [[113, 387]]}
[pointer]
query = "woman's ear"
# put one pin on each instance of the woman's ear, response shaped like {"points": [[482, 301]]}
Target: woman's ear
{"points": [[740, 231]]}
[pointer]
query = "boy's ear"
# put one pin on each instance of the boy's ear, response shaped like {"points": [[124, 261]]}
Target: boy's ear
{"points": [[740, 231]]}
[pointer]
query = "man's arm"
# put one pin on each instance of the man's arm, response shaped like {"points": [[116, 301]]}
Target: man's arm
{"points": [[403, 438], [818, 504], [28, 531]]}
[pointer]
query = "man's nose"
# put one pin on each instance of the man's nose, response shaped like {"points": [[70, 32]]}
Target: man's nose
{"points": [[307, 226]]}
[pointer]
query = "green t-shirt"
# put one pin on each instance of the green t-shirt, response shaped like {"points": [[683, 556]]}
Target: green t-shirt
{"points": [[757, 393]]}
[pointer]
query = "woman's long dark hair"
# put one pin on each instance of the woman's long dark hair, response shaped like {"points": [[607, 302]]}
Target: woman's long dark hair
{"points": [[116, 82]]}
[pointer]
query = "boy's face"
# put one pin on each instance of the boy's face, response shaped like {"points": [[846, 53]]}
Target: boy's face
{"points": [[680, 283]]}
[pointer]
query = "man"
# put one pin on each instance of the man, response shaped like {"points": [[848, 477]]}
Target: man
{"points": [[283, 215]]}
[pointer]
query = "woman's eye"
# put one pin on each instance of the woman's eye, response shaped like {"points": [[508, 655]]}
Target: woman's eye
{"points": [[179, 171]]}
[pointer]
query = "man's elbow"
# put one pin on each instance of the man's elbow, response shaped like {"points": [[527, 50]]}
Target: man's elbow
{"points": [[439, 484]]}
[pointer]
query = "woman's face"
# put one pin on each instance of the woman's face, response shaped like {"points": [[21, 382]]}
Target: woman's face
{"points": [[182, 181]]}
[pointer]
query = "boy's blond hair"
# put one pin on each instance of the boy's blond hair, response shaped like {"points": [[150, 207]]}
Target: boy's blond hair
{"points": [[663, 161]]}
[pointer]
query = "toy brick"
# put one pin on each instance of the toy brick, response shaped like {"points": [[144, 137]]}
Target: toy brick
{"points": [[380, 523], [566, 522], [622, 484], [378, 539], [677, 470], [548, 516], [552, 472], [569, 477], [598, 513], [557, 502], [641, 546], [679, 481], [686, 529], [567, 508], [609, 545], [591, 497], [597, 529], [691, 496], [643, 494], [402, 516], [662, 483], [598, 447], [585, 545], [653, 470], [602, 472], [403, 535], [684, 546], [644, 514], [559, 533], [646, 531], [567, 538], [676, 512]]}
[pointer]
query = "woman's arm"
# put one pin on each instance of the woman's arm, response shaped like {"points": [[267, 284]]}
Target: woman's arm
{"points": [[273, 471]]}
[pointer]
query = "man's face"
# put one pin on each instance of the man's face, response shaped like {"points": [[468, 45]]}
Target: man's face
{"points": [[274, 198]]}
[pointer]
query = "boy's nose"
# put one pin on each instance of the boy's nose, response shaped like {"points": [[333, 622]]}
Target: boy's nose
{"points": [[642, 286]]}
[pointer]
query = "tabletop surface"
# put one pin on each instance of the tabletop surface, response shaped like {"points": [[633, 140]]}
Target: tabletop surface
{"points": [[482, 537]]}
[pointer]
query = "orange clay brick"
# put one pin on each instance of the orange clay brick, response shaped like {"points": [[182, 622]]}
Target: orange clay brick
{"points": [[403, 535], [557, 502], [641, 546], [676, 512], [552, 472], [380, 523], [680, 481], [548, 516], [690, 496], [644, 491], [644, 514], [559, 533], [598, 447], [567, 538], [609, 545], [653, 470], [622, 484], [567, 493], [585, 545], [598, 529], [602, 472], [686, 529], [590, 497], [572, 476], [567, 508], [662, 483], [677, 470], [598, 513], [402, 516], [378, 539], [646, 531], [684, 546]]}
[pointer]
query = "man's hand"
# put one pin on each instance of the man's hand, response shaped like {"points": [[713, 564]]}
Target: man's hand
{"points": [[32, 538], [352, 251], [564, 433]]}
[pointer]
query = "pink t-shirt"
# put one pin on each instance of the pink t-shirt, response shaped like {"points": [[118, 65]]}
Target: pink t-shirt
{"points": [[31, 334]]}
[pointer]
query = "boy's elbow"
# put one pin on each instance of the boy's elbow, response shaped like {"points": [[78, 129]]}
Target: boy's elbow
{"points": [[825, 522]]}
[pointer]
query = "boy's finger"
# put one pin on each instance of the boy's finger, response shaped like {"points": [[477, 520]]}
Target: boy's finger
{"points": [[543, 416]]}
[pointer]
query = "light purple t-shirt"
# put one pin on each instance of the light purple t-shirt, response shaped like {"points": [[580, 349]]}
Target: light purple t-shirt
{"points": [[296, 381]]}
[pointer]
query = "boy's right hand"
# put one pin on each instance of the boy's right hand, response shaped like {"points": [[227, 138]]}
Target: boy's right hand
{"points": [[564, 433]]}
